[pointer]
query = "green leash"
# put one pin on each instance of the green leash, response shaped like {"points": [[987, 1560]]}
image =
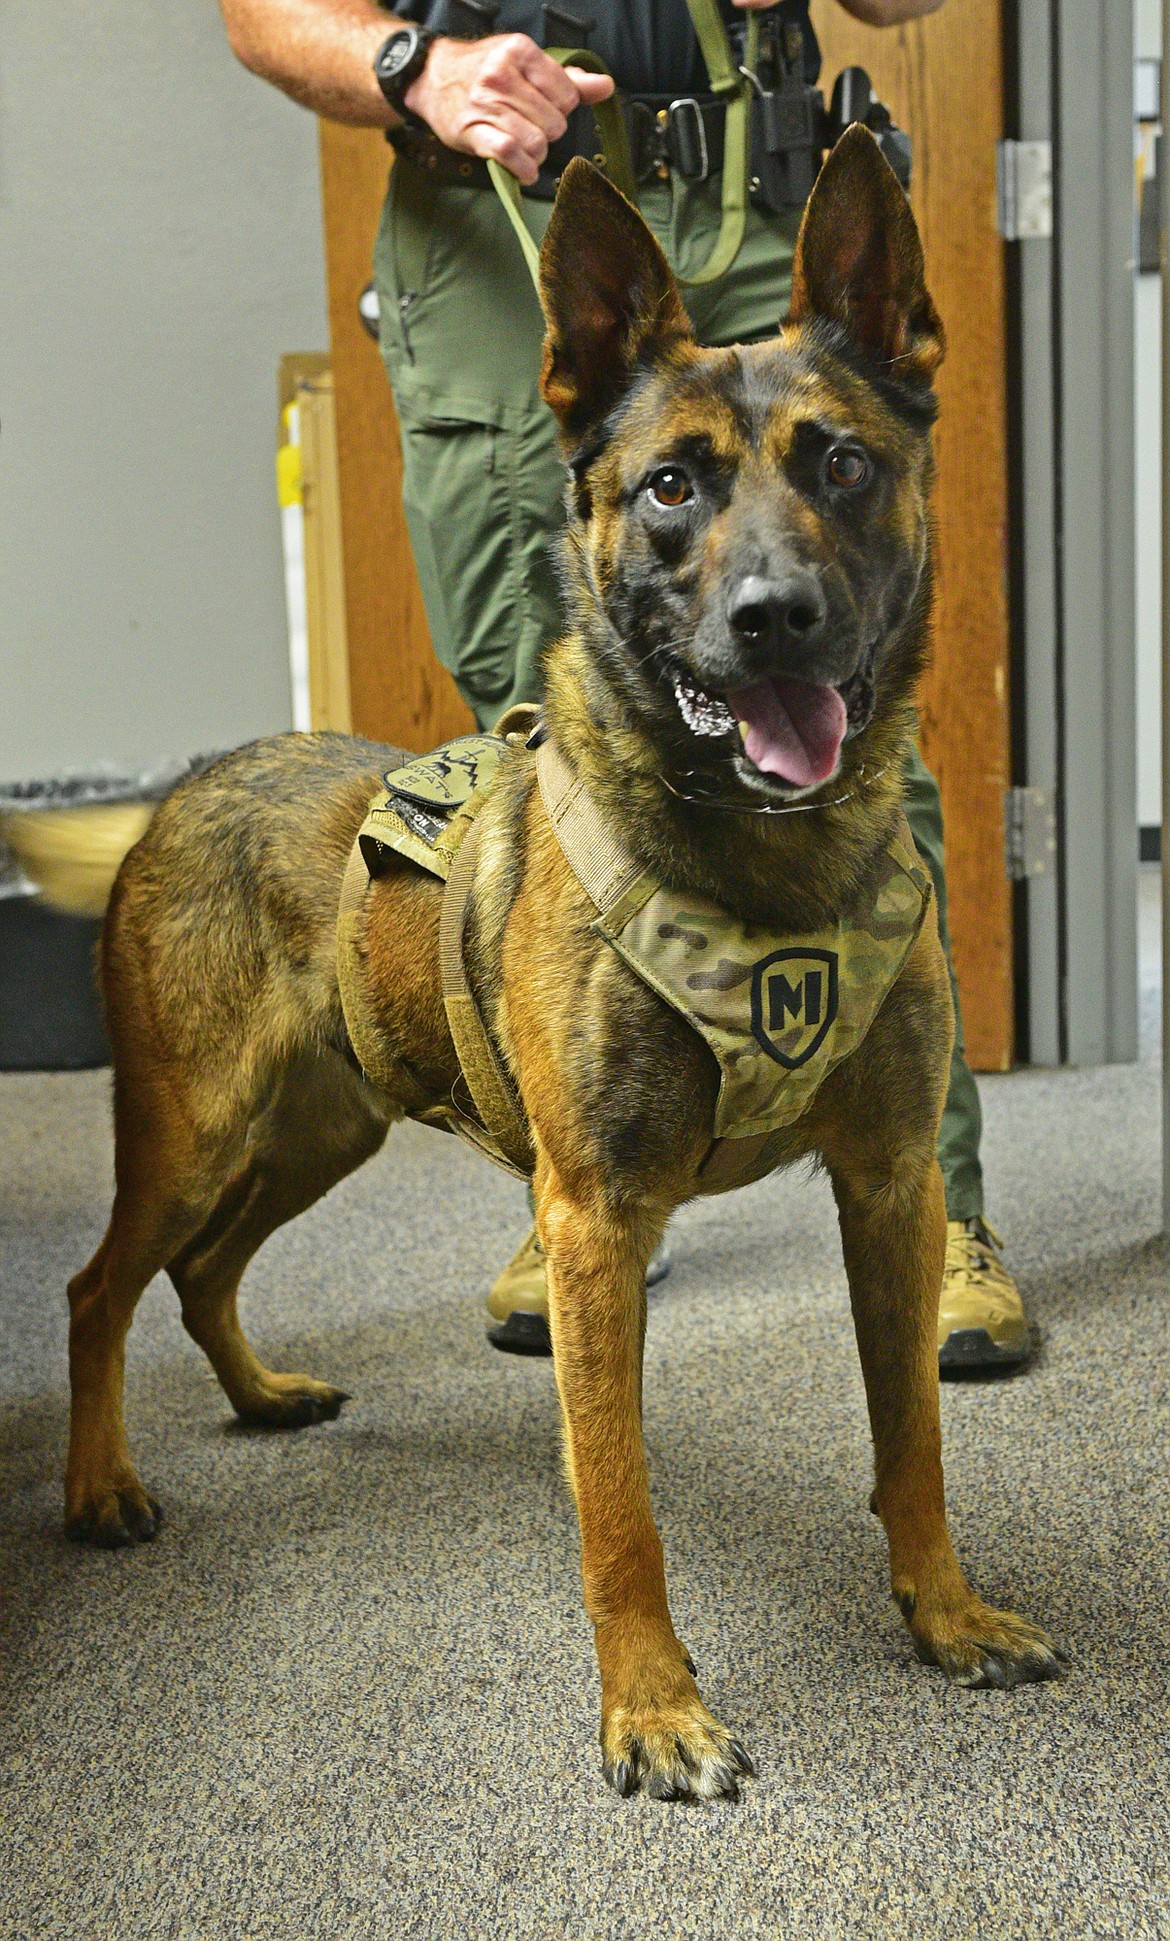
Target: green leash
{"points": [[615, 146], [726, 81], [737, 88]]}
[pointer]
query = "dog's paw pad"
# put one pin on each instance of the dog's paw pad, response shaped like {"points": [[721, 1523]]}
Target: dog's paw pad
{"points": [[992, 1651], [116, 1520], [681, 1754], [299, 1406]]}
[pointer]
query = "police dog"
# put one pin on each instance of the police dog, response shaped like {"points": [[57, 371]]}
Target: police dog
{"points": [[747, 570]]}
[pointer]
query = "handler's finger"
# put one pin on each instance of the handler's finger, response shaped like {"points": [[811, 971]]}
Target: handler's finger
{"points": [[590, 87], [518, 94], [556, 83], [491, 139]]}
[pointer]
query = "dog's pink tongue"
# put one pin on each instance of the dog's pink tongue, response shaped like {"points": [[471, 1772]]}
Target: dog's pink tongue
{"points": [[793, 729]]}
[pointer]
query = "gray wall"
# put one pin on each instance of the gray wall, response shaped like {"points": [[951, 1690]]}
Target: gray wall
{"points": [[160, 246]]}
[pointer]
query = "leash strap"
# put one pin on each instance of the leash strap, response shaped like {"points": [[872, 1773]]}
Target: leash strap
{"points": [[727, 81], [615, 147]]}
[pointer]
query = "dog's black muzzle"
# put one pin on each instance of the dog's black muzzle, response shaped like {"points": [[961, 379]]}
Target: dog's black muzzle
{"points": [[782, 618]]}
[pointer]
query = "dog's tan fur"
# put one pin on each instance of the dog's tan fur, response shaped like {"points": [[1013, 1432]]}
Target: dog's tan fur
{"points": [[238, 1102]]}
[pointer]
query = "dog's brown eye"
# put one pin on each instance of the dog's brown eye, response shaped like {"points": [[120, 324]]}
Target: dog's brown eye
{"points": [[670, 486], [847, 466]]}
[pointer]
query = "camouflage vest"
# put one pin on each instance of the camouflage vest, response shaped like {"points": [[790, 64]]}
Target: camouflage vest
{"points": [[779, 1012]]}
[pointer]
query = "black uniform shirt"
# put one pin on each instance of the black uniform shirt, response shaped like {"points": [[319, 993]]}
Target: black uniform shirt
{"points": [[649, 46]]}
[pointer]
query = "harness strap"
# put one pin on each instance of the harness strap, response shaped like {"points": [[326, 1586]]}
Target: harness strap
{"points": [[357, 1017], [735, 1162], [502, 1135], [597, 860], [489, 1084], [354, 883]]}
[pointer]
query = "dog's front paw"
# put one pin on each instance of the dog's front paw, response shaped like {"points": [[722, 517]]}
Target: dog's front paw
{"points": [[977, 1646], [112, 1517], [674, 1752], [291, 1402]]}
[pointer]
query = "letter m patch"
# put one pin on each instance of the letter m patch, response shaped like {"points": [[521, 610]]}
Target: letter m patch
{"points": [[794, 1003]]}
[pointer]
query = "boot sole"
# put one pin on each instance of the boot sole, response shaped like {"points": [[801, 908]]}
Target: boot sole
{"points": [[521, 1334], [968, 1349]]}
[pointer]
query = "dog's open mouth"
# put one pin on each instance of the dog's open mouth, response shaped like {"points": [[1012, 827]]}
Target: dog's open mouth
{"points": [[789, 729]]}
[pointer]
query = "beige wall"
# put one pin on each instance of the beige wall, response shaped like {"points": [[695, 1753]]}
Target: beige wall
{"points": [[160, 246]]}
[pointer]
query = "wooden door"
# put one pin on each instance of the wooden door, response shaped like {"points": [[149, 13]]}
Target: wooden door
{"points": [[398, 691], [941, 78]]}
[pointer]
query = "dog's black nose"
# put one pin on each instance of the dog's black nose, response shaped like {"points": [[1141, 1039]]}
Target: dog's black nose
{"points": [[777, 613]]}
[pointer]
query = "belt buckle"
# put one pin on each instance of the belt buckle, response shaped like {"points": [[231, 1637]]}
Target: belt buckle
{"points": [[645, 140], [689, 132]]}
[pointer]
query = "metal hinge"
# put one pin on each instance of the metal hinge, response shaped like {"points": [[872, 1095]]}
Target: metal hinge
{"points": [[1023, 176], [1030, 833]]}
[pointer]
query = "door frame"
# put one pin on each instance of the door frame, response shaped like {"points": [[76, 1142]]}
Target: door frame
{"points": [[1071, 307]]}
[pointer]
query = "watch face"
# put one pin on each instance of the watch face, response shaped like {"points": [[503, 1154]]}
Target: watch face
{"points": [[397, 54]]}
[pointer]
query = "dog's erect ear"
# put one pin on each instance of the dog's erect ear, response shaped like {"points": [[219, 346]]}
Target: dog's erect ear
{"points": [[859, 261], [610, 301]]}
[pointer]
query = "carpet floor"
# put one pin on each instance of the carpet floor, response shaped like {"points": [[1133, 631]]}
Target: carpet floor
{"points": [[350, 1691]]}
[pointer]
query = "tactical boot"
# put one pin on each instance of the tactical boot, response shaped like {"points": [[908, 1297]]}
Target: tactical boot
{"points": [[981, 1319], [518, 1302]]}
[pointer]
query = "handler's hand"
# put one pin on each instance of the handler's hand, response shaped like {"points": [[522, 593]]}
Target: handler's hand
{"points": [[501, 97]]}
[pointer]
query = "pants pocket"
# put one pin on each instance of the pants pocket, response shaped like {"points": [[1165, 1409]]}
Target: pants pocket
{"points": [[402, 253], [460, 515]]}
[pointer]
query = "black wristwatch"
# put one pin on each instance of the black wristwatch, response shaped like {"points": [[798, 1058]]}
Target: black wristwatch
{"points": [[399, 61]]}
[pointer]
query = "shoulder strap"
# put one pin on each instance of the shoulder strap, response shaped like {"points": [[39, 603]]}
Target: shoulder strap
{"points": [[904, 852], [611, 878]]}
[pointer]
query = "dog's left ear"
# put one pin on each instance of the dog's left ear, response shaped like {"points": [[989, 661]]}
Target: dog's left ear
{"points": [[859, 261], [610, 301]]}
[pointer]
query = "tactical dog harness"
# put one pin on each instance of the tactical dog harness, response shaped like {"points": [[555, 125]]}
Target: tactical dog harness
{"points": [[779, 1012]]}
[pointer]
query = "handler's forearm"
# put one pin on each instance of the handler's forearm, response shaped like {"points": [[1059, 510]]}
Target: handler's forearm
{"points": [[318, 51], [889, 13]]}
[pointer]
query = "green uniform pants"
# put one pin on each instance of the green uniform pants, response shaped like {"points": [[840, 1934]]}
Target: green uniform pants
{"points": [[483, 480]]}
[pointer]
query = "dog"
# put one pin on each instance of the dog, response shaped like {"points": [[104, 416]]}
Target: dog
{"points": [[748, 583]]}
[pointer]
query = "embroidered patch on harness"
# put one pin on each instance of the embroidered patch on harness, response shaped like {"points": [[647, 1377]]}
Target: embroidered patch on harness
{"points": [[449, 777], [794, 1003]]}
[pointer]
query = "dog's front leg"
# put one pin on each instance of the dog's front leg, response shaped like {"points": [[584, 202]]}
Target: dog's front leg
{"points": [[893, 1225], [655, 1729]]}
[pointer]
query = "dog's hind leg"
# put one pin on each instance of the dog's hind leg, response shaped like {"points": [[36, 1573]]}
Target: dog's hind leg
{"points": [[157, 1205], [893, 1227], [321, 1124]]}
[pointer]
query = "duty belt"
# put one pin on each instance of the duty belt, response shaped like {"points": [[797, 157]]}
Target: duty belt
{"points": [[683, 133], [763, 136]]}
